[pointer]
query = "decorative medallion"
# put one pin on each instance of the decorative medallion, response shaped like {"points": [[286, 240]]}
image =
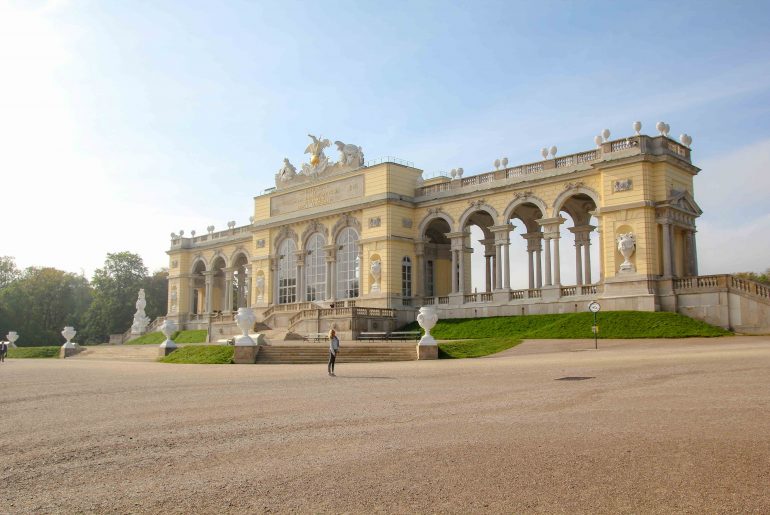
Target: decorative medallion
{"points": [[375, 222], [623, 185]]}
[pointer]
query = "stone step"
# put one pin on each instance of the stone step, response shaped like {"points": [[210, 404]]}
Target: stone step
{"points": [[118, 353], [359, 354]]}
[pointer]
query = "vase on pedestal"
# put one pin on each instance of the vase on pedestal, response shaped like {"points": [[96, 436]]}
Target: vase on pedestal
{"points": [[427, 318], [376, 269], [168, 328], [69, 333], [245, 318], [12, 336]]}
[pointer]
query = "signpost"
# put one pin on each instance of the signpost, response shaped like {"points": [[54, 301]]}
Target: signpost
{"points": [[594, 308]]}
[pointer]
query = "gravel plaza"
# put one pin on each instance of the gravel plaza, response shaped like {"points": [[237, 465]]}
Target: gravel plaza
{"points": [[642, 426]]}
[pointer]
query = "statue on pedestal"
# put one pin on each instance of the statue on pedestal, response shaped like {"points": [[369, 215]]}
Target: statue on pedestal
{"points": [[141, 321]]}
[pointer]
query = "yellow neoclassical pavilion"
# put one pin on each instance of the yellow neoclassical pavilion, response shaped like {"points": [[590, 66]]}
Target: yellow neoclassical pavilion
{"points": [[361, 246]]}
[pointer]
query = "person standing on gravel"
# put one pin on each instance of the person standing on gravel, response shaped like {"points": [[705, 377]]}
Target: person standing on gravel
{"points": [[334, 346], [3, 350]]}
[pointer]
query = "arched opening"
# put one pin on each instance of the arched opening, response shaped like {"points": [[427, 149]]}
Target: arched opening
{"points": [[240, 290], [437, 259], [315, 268], [287, 272], [348, 268], [526, 267], [218, 301], [197, 288], [580, 253], [476, 262]]}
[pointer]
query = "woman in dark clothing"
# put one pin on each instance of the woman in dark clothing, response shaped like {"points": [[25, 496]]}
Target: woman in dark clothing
{"points": [[334, 346]]}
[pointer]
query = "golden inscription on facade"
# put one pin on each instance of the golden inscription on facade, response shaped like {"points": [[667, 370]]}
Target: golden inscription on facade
{"points": [[317, 196]]}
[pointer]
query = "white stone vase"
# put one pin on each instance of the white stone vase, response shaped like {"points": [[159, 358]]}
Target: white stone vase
{"points": [[12, 336], [427, 318], [376, 269], [69, 333], [168, 328], [626, 247], [245, 318]]}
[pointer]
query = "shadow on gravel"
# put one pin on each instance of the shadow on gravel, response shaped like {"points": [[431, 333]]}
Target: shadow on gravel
{"points": [[364, 377]]}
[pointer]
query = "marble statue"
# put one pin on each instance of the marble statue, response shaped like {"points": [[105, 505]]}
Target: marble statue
{"points": [[376, 269], [69, 333], [350, 155], [141, 321], [287, 171], [260, 288], [626, 247], [318, 160]]}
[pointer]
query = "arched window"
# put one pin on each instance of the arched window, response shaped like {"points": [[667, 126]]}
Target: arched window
{"points": [[287, 272], [315, 269], [406, 277], [348, 264]]}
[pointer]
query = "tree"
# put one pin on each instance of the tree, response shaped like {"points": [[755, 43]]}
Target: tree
{"points": [[41, 302], [753, 276], [8, 271], [156, 293], [116, 286]]}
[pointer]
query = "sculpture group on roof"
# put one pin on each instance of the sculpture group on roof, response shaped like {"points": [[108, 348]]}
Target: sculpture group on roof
{"points": [[350, 158]]}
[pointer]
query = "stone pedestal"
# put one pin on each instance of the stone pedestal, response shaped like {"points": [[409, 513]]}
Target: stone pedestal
{"points": [[66, 352], [165, 351], [246, 354], [427, 352]]}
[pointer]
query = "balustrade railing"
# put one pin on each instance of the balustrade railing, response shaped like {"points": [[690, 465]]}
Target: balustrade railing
{"points": [[568, 291], [722, 281], [517, 295], [429, 301], [406, 302], [470, 297], [485, 297], [589, 289], [443, 300], [534, 294], [620, 145]]}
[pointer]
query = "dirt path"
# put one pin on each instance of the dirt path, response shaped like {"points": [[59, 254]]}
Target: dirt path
{"points": [[672, 426]]}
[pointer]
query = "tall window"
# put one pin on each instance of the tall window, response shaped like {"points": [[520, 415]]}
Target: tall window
{"points": [[430, 291], [406, 277], [348, 264], [315, 269], [287, 272]]}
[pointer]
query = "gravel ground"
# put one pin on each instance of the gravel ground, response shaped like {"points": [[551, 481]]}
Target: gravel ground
{"points": [[662, 426]]}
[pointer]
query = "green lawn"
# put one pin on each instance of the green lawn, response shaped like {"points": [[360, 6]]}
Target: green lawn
{"points": [[612, 324], [201, 354], [156, 338], [34, 352], [483, 336], [475, 348]]}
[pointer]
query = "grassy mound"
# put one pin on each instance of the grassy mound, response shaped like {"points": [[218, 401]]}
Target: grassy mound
{"points": [[156, 338], [612, 324], [475, 348], [34, 352], [201, 354]]}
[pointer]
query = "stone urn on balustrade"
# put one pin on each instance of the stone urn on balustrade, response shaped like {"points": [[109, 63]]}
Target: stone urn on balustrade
{"points": [[427, 348], [246, 348]]}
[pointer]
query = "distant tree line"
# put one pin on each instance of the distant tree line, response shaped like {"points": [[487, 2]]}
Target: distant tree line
{"points": [[39, 301], [760, 278]]}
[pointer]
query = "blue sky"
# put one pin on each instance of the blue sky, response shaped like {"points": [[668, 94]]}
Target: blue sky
{"points": [[125, 121]]}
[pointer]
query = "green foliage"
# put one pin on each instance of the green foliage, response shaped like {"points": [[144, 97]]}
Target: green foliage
{"points": [[156, 338], [115, 290], [34, 352], [760, 278], [156, 292], [40, 302], [612, 324], [8, 271], [201, 354], [475, 348]]}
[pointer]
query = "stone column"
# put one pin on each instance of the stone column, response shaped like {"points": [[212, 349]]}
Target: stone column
{"points": [[498, 266], [666, 237], [274, 270], [419, 270], [457, 240], [331, 272], [547, 259], [501, 233], [488, 264], [461, 273], [587, 260], [531, 263], [694, 252], [227, 300], [507, 264], [191, 297], [300, 254], [454, 271], [556, 261], [578, 263], [209, 288]]}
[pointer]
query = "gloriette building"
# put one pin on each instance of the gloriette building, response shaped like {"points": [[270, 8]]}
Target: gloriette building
{"points": [[361, 246]]}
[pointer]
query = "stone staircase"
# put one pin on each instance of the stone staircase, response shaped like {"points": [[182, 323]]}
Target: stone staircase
{"points": [[118, 353], [297, 354]]}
